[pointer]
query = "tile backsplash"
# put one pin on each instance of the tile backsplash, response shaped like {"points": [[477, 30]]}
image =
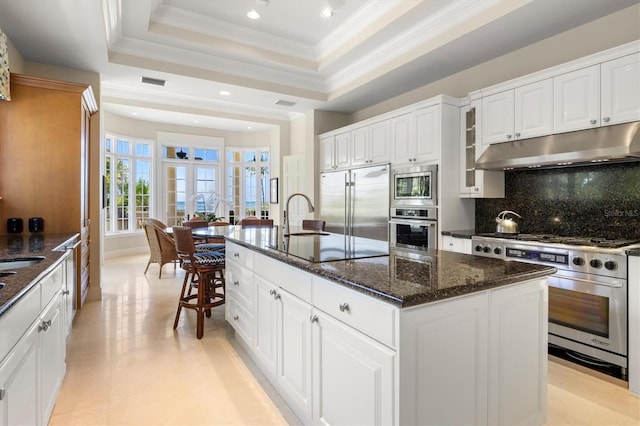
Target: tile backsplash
{"points": [[598, 200]]}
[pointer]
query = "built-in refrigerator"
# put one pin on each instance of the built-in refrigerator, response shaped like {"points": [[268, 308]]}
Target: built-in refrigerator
{"points": [[355, 202]]}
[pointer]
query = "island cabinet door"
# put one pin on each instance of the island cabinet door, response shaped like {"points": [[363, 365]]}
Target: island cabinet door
{"points": [[353, 375], [443, 362], [518, 354], [266, 326]]}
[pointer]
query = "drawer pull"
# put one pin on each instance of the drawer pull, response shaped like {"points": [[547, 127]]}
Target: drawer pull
{"points": [[236, 254], [277, 296], [272, 292], [344, 307], [236, 283], [235, 318], [65, 292], [313, 318]]}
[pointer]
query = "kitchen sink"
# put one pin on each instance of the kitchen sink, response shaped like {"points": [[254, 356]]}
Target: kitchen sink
{"points": [[19, 262], [304, 234], [6, 273]]}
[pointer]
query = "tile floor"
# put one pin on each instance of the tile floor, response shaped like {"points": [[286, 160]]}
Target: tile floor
{"points": [[127, 366]]}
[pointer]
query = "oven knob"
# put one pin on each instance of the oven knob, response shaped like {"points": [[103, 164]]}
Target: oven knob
{"points": [[486, 249], [611, 265], [595, 263], [478, 248], [497, 250], [578, 261]]}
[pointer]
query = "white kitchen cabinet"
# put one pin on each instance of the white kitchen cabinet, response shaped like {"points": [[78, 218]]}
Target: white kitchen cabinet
{"points": [[620, 89], [475, 183], [520, 113], [51, 354], [518, 354], [430, 338], [576, 100], [19, 394], [458, 245], [283, 342], [403, 135], [240, 292], [370, 144], [335, 151], [353, 375], [416, 136], [31, 373]]}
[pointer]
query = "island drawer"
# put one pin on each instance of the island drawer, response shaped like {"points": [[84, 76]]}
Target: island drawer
{"points": [[51, 284], [240, 281], [240, 319], [240, 255], [293, 280], [364, 313]]}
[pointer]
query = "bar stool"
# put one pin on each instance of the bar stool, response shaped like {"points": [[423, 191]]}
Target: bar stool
{"points": [[204, 270]]}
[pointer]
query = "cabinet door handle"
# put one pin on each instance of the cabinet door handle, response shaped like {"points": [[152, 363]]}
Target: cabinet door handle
{"points": [[236, 254], [605, 119], [592, 121], [236, 283], [313, 318], [235, 318], [272, 292], [509, 136], [518, 134], [344, 307], [277, 296], [65, 292]]}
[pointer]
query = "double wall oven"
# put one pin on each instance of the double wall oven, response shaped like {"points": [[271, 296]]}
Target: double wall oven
{"points": [[414, 215], [587, 294]]}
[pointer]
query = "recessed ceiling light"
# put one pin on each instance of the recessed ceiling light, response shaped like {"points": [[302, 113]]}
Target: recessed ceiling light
{"points": [[196, 121], [134, 113], [327, 13], [249, 127], [225, 93], [253, 14]]}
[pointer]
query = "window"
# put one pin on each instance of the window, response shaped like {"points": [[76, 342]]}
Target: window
{"points": [[248, 182], [191, 183], [127, 184]]}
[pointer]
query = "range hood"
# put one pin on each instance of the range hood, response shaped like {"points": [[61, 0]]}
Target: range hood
{"points": [[608, 143]]}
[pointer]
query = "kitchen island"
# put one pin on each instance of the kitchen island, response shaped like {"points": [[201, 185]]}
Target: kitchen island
{"points": [[406, 337]]}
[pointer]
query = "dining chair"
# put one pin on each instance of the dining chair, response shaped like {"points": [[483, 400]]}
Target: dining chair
{"points": [[203, 271], [162, 248], [313, 225]]}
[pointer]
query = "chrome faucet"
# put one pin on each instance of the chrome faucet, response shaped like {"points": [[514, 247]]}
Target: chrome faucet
{"points": [[286, 210]]}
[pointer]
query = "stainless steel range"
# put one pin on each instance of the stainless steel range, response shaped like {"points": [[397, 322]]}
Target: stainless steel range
{"points": [[587, 295]]}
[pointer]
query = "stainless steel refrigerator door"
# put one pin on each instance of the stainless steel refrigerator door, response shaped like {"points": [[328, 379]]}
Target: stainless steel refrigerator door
{"points": [[333, 200], [369, 203]]}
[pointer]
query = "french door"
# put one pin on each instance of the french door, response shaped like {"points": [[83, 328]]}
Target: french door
{"points": [[189, 189]]}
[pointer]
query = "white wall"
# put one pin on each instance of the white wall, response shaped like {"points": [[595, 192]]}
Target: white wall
{"points": [[602, 34]]}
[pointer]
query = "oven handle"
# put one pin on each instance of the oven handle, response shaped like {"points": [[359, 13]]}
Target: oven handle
{"points": [[413, 222], [614, 284]]}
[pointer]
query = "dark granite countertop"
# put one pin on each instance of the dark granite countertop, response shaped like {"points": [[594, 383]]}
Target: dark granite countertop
{"points": [[16, 246], [404, 277], [634, 252], [464, 233]]}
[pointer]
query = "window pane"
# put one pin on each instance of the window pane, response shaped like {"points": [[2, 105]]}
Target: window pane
{"points": [[264, 192], [122, 195], [250, 185], [175, 183], [206, 154], [233, 156], [107, 194], [233, 193], [122, 147], [142, 150], [250, 157], [143, 177], [264, 156], [107, 145]]}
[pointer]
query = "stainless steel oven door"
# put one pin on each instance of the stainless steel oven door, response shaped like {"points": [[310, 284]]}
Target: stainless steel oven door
{"points": [[589, 309], [413, 233]]}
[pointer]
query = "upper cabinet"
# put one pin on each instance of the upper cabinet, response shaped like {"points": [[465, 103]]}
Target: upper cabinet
{"points": [[370, 144], [599, 95], [599, 90], [475, 183], [359, 146], [620, 80], [335, 151], [523, 112], [576, 96]]}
